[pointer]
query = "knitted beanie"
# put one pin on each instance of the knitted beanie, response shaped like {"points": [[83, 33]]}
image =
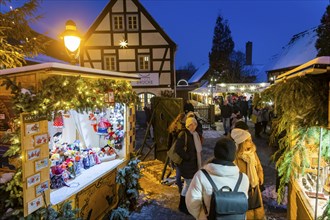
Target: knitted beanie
{"points": [[225, 149], [239, 135], [189, 121]]}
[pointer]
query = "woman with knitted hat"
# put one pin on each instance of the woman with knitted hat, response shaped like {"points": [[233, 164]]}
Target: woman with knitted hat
{"points": [[248, 162], [189, 148]]}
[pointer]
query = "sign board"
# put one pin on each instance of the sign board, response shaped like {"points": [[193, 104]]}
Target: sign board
{"points": [[147, 79], [35, 164]]}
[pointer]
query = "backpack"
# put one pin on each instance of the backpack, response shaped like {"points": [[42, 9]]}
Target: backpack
{"points": [[225, 203], [173, 155]]}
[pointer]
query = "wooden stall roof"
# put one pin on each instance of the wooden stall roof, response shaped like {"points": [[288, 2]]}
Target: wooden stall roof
{"points": [[319, 65], [71, 70]]}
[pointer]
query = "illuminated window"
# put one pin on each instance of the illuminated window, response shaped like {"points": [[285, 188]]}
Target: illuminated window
{"points": [[132, 22], [144, 99], [110, 63], [144, 63], [118, 22]]}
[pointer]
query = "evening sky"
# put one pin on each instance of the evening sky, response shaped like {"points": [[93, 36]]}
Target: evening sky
{"points": [[269, 24]]}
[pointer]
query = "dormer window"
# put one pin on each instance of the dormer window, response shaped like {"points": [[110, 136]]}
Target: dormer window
{"points": [[118, 22], [132, 22]]}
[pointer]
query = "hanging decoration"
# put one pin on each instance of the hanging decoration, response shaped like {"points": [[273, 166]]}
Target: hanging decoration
{"points": [[58, 121]]}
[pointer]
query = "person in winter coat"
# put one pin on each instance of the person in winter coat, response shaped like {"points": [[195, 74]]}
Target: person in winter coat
{"points": [[223, 172], [199, 128], [226, 111], [191, 157], [248, 162], [258, 124], [176, 126]]}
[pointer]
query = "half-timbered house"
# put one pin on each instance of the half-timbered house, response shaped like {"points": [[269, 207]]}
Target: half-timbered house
{"points": [[126, 38]]}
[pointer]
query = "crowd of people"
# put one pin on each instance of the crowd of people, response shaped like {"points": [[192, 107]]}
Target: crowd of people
{"points": [[233, 153], [235, 109]]}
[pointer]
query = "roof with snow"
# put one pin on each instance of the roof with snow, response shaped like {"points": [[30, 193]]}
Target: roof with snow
{"points": [[319, 65], [299, 50], [71, 70], [257, 70], [42, 58], [200, 72]]}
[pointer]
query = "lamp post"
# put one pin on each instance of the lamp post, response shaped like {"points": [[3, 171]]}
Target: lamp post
{"points": [[212, 89], [72, 40]]}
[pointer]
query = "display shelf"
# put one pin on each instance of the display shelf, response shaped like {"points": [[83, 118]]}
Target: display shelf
{"points": [[86, 178], [310, 202]]}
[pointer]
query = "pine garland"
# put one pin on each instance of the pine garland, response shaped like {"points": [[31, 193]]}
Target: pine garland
{"points": [[129, 186], [301, 109]]}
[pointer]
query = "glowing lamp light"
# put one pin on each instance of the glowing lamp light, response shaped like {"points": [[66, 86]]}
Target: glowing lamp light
{"points": [[253, 88], [72, 39], [72, 43], [71, 36], [232, 87], [223, 85]]}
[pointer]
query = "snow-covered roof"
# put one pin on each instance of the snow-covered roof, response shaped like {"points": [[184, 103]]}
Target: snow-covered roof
{"points": [[258, 71], [299, 50], [42, 58], [72, 70], [199, 73], [318, 65]]}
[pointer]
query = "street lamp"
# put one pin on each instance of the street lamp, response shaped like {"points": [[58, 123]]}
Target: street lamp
{"points": [[212, 81], [72, 39]]}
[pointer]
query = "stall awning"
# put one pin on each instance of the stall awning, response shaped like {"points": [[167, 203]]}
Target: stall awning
{"points": [[318, 65], [71, 70], [233, 87]]}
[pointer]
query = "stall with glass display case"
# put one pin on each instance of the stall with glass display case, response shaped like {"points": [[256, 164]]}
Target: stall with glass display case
{"points": [[76, 127], [302, 101]]}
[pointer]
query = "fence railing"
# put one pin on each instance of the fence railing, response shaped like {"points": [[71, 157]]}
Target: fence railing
{"points": [[206, 113]]}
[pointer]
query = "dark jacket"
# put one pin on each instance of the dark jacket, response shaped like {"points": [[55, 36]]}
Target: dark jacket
{"points": [[244, 107], [189, 166], [226, 111]]}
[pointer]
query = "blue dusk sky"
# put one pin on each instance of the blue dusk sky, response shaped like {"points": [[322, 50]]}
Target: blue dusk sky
{"points": [[268, 24]]}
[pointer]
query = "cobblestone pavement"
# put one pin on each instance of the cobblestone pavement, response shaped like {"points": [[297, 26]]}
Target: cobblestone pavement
{"points": [[160, 201]]}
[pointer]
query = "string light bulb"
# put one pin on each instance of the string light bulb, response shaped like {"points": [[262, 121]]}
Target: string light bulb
{"points": [[123, 43]]}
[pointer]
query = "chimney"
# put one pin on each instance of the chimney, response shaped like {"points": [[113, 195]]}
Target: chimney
{"points": [[248, 53]]}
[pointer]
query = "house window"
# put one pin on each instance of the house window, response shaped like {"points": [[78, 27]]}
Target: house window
{"points": [[132, 23], [144, 62], [118, 22], [110, 63]]}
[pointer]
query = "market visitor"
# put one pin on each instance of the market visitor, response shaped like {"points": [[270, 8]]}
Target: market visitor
{"points": [[192, 158], [199, 128], [226, 111], [188, 107], [176, 126], [257, 114], [248, 162], [244, 108], [223, 172], [148, 114]]}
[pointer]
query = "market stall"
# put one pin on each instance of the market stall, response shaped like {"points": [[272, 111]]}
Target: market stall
{"points": [[302, 104], [73, 128]]}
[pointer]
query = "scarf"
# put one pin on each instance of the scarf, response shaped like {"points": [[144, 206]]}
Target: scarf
{"points": [[250, 159], [198, 146]]}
